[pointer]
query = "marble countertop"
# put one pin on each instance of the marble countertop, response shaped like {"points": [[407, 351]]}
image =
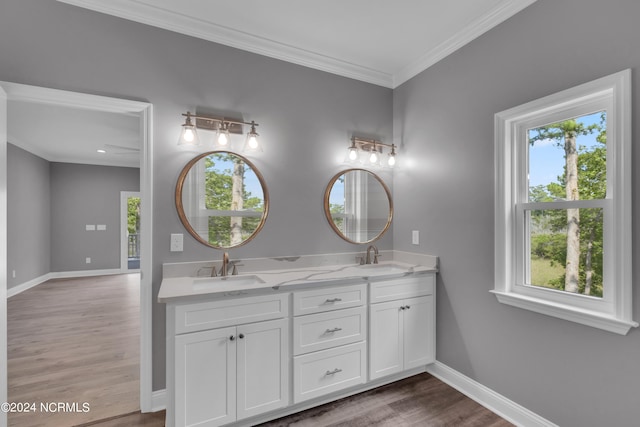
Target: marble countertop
{"points": [[177, 288]]}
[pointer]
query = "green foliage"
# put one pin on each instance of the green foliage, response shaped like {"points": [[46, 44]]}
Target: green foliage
{"points": [[133, 215], [548, 227], [219, 197]]}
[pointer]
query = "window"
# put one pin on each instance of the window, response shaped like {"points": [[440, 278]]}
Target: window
{"points": [[563, 205]]}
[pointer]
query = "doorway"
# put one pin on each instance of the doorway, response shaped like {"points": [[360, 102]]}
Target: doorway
{"points": [[16, 92]]}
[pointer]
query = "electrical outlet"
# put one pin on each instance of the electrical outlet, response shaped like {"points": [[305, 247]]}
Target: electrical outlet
{"points": [[88, 260], [13, 274], [176, 242], [415, 237]]}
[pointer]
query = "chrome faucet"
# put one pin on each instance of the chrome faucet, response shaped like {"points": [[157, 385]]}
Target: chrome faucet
{"points": [[375, 254]]}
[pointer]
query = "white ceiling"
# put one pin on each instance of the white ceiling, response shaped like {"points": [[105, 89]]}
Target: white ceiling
{"points": [[72, 135], [384, 42]]}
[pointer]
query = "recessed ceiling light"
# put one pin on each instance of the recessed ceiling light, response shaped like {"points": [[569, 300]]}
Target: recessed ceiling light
{"points": [[102, 151]]}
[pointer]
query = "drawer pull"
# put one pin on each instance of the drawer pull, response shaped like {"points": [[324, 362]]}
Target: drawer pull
{"points": [[333, 299], [232, 338], [335, 371], [405, 307], [328, 331]]}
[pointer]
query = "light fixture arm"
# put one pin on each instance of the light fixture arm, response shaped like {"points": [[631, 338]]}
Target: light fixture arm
{"points": [[217, 120]]}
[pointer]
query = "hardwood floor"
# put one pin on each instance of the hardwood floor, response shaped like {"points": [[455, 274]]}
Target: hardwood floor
{"points": [[75, 341], [421, 400]]}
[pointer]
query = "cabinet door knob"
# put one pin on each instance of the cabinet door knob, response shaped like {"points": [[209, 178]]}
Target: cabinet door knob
{"points": [[241, 336], [407, 307], [402, 307], [232, 338], [328, 331], [335, 371], [333, 299]]}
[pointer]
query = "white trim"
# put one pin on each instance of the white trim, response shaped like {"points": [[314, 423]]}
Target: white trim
{"points": [[472, 31], [495, 402], [159, 400], [3, 253], [613, 312], [27, 285], [157, 17], [144, 111]]}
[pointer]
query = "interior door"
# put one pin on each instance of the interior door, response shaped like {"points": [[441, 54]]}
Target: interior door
{"points": [[3, 252]]}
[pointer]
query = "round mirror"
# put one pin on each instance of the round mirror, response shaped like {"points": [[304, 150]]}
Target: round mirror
{"points": [[358, 206], [222, 199]]}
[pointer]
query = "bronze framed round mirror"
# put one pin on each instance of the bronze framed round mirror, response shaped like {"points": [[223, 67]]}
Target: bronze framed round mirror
{"points": [[358, 205], [222, 199]]}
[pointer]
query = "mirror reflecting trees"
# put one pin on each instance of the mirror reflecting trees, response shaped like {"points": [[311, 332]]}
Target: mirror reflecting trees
{"points": [[222, 199]]}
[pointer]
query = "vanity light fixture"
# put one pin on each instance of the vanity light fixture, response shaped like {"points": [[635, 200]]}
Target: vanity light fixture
{"points": [[370, 151], [222, 126]]}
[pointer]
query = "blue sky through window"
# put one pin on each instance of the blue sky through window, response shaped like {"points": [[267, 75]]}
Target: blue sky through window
{"points": [[546, 158]]}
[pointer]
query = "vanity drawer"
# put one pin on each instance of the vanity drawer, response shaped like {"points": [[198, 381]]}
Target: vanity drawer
{"points": [[228, 312], [325, 330], [328, 299], [326, 371], [390, 290]]}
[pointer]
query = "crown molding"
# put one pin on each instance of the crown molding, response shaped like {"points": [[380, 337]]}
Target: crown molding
{"points": [[168, 20], [472, 31], [155, 16]]}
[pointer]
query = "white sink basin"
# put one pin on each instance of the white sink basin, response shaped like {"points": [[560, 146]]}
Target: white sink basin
{"points": [[245, 280], [382, 269]]}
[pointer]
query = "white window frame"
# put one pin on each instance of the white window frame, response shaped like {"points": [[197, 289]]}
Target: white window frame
{"points": [[613, 312]]}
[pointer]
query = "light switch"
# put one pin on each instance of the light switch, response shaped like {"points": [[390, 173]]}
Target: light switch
{"points": [[90, 227], [176, 242], [415, 237], [88, 260], [101, 227]]}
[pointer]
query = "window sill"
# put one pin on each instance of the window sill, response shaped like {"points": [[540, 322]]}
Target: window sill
{"points": [[561, 311]]}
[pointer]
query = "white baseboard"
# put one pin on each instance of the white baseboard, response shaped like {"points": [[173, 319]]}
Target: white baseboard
{"points": [[495, 402], [27, 285], [488, 398], [15, 290], [158, 400]]}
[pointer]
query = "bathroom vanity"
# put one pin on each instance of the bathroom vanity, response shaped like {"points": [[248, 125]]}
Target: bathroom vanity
{"points": [[251, 348]]}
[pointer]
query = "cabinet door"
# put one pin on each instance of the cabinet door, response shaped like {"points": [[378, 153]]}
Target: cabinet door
{"points": [[386, 339], [419, 331], [205, 378], [263, 367]]}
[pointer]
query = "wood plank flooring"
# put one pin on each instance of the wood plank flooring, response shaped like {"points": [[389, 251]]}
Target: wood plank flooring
{"points": [[421, 400], [76, 341]]}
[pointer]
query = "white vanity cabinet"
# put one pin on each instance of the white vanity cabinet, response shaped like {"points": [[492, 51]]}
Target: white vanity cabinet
{"points": [[233, 371], [402, 325], [329, 340]]}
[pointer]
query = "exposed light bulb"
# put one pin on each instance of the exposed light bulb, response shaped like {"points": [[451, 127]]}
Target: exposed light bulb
{"points": [[222, 139], [392, 160], [189, 135], [353, 153], [253, 142], [373, 158]]}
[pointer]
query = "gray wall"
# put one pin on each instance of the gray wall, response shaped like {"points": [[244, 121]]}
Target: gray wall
{"points": [[571, 374], [306, 118], [28, 215], [81, 195]]}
